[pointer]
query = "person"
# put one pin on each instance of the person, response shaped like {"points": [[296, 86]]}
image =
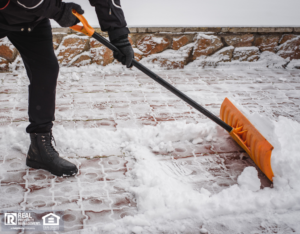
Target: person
{"points": [[26, 24]]}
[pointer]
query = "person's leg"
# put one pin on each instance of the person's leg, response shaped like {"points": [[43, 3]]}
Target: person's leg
{"points": [[3, 34], [36, 49]]}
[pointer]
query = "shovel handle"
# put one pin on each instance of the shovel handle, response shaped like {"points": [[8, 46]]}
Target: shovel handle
{"points": [[88, 30]]}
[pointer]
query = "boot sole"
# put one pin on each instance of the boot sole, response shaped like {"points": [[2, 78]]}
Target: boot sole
{"points": [[38, 165]]}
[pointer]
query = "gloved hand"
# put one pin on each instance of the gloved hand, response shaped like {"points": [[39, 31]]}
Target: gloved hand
{"points": [[65, 17], [123, 44]]}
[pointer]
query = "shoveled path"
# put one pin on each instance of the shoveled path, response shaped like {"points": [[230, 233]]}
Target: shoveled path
{"points": [[112, 101]]}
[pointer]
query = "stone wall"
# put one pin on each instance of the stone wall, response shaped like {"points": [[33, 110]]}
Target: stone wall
{"points": [[172, 48]]}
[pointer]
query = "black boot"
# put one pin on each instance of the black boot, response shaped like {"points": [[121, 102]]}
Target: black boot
{"points": [[42, 155]]}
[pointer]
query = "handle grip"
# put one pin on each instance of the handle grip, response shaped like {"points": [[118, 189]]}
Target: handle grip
{"points": [[86, 28]]}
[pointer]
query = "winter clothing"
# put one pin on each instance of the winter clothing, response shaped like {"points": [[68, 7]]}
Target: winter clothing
{"points": [[65, 18], [36, 49], [123, 44], [24, 15], [111, 17], [24, 23], [42, 155]]}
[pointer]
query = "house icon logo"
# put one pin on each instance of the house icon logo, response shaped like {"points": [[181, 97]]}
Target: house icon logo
{"points": [[51, 219]]}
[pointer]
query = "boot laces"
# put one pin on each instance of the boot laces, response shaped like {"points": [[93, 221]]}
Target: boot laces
{"points": [[49, 146]]}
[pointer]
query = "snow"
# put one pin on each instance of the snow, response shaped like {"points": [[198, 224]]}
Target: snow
{"points": [[137, 51], [168, 57], [294, 64], [272, 60], [288, 46], [249, 179], [266, 60], [164, 187], [5, 41], [162, 198]]}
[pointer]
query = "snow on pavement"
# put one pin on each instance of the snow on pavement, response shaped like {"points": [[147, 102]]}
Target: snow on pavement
{"points": [[151, 164]]}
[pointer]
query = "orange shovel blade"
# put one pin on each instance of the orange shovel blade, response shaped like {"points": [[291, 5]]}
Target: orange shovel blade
{"points": [[248, 137]]}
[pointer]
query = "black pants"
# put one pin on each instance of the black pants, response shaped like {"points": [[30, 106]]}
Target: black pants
{"points": [[36, 49]]}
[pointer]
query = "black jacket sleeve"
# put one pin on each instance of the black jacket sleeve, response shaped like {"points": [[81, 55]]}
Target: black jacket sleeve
{"points": [[26, 13], [42, 8], [111, 17]]}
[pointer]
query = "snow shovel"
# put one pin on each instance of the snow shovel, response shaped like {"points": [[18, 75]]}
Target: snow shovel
{"points": [[232, 120]]}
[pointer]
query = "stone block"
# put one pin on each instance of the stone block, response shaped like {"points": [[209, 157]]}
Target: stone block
{"points": [[206, 45], [203, 29], [172, 59], [154, 29], [57, 39], [179, 41], [266, 30], [287, 37], [142, 30], [172, 29], [274, 29], [240, 30], [133, 29], [224, 55], [283, 29], [245, 40], [297, 30], [7, 50], [71, 46], [83, 59], [290, 49], [63, 30], [267, 42], [224, 30], [18, 63], [100, 54], [151, 44], [4, 65], [138, 55], [249, 54], [165, 29]]}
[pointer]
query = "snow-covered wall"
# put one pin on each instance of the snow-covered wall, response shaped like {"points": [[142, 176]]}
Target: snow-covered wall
{"points": [[204, 13], [177, 48]]}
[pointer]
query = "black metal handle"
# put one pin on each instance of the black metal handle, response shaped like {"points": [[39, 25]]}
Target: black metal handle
{"points": [[167, 85]]}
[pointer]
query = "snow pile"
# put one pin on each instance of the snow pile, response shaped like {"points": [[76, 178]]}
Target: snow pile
{"points": [[169, 203], [222, 56], [249, 179], [294, 64], [137, 51], [271, 60], [219, 60], [163, 200], [246, 53], [289, 47], [169, 59], [96, 141]]}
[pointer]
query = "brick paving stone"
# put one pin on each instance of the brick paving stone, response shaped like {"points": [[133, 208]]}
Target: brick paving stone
{"points": [[97, 195]]}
